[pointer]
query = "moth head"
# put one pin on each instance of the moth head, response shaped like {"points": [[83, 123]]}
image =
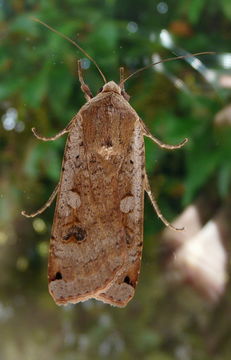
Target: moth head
{"points": [[111, 86]]}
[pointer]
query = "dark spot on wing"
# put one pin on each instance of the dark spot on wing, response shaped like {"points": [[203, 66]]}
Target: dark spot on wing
{"points": [[76, 232], [93, 160], [107, 143], [58, 276], [128, 281], [128, 238]]}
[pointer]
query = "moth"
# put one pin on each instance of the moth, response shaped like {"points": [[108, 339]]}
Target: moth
{"points": [[97, 233]]}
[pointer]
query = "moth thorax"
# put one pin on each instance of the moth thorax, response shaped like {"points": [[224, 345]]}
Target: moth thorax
{"points": [[112, 86]]}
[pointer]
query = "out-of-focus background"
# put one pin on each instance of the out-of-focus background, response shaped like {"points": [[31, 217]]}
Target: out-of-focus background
{"points": [[182, 306]]}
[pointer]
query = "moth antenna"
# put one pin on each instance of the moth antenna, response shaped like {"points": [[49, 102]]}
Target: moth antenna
{"points": [[72, 42], [165, 60]]}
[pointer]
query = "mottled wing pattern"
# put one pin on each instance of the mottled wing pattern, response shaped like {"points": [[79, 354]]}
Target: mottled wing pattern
{"points": [[131, 194], [89, 244]]}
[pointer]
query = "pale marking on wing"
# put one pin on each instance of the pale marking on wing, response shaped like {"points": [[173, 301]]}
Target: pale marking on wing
{"points": [[106, 152], [127, 204], [73, 199]]}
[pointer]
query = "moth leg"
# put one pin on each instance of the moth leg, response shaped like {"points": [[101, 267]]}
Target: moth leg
{"points": [[84, 87], [159, 142], [52, 138], [155, 205], [123, 92], [45, 206], [166, 146]]}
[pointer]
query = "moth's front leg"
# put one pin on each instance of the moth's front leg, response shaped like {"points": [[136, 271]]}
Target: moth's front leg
{"points": [[155, 205], [159, 142], [45, 206], [55, 137], [52, 138]]}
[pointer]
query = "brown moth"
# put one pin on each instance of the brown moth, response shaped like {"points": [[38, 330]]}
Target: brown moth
{"points": [[97, 234]]}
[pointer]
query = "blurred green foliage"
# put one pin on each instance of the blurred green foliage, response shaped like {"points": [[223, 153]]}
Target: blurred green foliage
{"points": [[38, 74]]}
